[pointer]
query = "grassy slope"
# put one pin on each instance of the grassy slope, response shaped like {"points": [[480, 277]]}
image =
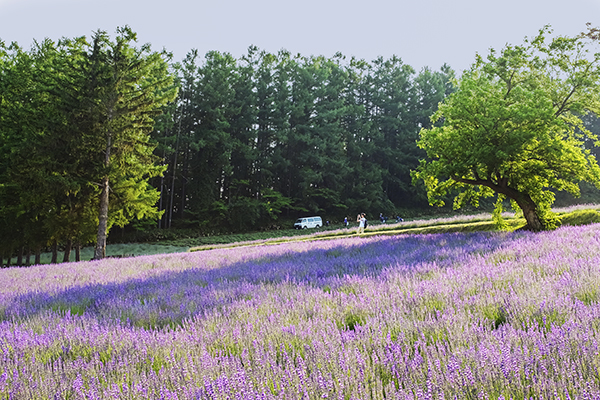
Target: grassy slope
{"points": [[514, 322], [578, 215]]}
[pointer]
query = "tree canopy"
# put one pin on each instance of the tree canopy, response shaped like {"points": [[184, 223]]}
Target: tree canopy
{"points": [[513, 127], [76, 116], [91, 136], [251, 139], [124, 88]]}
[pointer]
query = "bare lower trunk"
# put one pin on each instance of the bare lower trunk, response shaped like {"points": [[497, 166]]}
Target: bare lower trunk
{"points": [[529, 209], [54, 252], [38, 255], [100, 251], [77, 252], [68, 246]]}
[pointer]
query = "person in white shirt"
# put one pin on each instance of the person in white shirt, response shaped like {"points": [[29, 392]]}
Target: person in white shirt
{"points": [[361, 223]]}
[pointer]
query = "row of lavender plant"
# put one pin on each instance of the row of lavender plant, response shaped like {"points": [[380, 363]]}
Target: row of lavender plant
{"points": [[390, 227], [486, 315], [375, 227]]}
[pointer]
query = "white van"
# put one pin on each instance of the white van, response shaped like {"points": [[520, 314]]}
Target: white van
{"points": [[308, 222]]}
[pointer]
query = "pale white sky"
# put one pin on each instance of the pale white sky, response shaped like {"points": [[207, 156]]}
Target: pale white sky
{"points": [[421, 32]]}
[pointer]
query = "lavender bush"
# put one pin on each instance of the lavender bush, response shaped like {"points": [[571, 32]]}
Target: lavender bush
{"points": [[486, 315]]}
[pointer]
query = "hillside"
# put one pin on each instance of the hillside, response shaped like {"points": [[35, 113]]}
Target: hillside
{"points": [[452, 315]]}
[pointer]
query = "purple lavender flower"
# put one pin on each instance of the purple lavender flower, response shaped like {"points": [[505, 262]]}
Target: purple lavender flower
{"points": [[488, 315]]}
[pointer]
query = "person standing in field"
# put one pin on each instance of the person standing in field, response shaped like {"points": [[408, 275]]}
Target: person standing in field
{"points": [[361, 223]]}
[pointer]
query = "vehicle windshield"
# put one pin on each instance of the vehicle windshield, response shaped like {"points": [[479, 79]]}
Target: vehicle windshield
{"points": [[299, 220]]}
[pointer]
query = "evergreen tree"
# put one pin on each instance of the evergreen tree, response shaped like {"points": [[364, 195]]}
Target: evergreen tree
{"points": [[127, 87], [40, 186], [242, 201], [363, 191], [276, 164], [393, 92], [212, 145], [328, 134], [182, 141], [16, 131]]}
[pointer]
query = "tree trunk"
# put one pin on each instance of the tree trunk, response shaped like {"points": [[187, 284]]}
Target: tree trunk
{"points": [[38, 255], [20, 256], [523, 200], [529, 209], [160, 201], [100, 251], [171, 205], [28, 256], [184, 179], [54, 252], [77, 251], [68, 246]]}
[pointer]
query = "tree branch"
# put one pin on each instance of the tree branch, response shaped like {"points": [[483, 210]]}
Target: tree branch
{"points": [[563, 106]]}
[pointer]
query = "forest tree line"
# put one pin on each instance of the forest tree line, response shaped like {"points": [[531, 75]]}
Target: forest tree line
{"points": [[75, 147], [101, 133], [254, 138]]}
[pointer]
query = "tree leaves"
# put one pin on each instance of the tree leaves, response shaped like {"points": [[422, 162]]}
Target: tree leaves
{"points": [[74, 113], [514, 126]]}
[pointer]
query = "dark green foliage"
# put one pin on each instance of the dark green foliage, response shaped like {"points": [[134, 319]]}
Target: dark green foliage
{"points": [[75, 118], [272, 135], [247, 142]]}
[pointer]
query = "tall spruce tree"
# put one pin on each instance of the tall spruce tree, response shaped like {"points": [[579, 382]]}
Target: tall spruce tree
{"points": [[126, 88], [242, 202], [329, 133], [364, 183], [275, 146], [17, 129], [393, 91], [182, 142], [40, 186], [212, 146]]}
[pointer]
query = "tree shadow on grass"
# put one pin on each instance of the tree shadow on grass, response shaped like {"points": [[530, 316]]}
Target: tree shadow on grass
{"points": [[171, 297]]}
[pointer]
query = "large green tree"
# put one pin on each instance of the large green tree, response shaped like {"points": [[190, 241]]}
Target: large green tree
{"points": [[74, 134], [392, 93], [513, 127], [364, 188], [16, 133], [126, 87]]}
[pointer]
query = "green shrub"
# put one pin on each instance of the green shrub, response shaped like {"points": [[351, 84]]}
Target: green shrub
{"points": [[580, 217]]}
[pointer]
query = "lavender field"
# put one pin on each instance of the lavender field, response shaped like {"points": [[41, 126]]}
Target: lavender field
{"points": [[466, 316]]}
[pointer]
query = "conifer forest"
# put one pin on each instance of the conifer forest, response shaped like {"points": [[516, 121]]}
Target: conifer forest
{"points": [[102, 132], [105, 124]]}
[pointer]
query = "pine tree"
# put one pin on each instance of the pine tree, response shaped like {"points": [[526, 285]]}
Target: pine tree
{"points": [[127, 87]]}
